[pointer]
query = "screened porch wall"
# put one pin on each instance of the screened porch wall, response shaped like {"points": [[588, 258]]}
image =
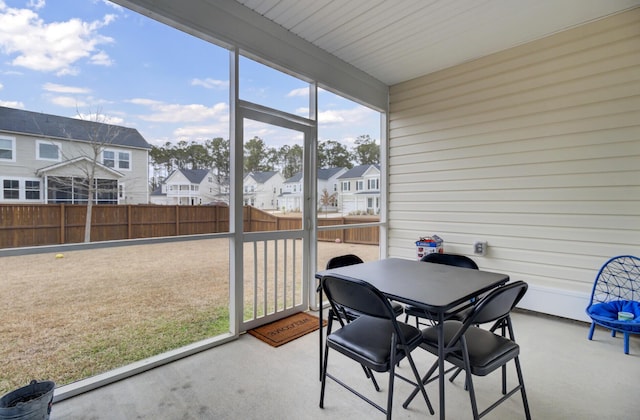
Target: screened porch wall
{"points": [[535, 150]]}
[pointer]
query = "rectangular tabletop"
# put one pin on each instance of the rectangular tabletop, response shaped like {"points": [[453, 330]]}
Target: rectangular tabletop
{"points": [[434, 287]]}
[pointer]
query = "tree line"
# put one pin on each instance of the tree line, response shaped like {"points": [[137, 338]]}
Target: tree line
{"points": [[214, 154]]}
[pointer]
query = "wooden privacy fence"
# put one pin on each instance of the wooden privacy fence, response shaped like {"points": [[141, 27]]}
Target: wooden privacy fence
{"points": [[54, 224]]}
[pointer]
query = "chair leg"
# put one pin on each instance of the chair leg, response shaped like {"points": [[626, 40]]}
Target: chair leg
{"points": [[425, 379], [626, 343], [591, 330], [472, 396], [469, 383], [392, 374], [525, 402], [420, 384], [324, 375]]}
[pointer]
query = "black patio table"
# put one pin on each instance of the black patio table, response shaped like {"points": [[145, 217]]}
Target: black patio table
{"points": [[436, 288]]}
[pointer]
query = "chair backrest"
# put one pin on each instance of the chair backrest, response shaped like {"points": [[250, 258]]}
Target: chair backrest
{"points": [[498, 303], [618, 279], [450, 259], [356, 295], [343, 261]]}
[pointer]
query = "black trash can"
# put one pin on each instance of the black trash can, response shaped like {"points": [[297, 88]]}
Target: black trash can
{"points": [[31, 402]]}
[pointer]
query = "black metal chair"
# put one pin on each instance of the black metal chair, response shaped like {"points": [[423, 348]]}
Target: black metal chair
{"points": [[479, 351], [375, 339], [344, 261], [445, 259]]}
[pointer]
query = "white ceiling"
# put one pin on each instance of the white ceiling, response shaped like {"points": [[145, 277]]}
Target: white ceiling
{"points": [[398, 40]]}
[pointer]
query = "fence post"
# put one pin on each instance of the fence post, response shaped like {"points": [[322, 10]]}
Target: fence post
{"points": [[177, 220], [62, 217], [129, 227]]}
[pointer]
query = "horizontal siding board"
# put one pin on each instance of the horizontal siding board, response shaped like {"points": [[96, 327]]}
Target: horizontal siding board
{"points": [[608, 222], [597, 126], [523, 197], [453, 159], [601, 87], [499, 235], [594, 180], [509, 142]]}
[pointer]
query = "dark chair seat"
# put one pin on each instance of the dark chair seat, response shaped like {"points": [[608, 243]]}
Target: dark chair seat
{"points": [[366, 340], [487, 351]]}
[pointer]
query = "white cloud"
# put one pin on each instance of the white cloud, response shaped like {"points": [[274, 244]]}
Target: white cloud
{"points": [[53, 87], [331, 117], [201, 132], [115, 6], [179, 113], [210, 83], [50, 46], [12, 104], [299, 92], [146, 102], [36, 4], [101, 59], [1, 86], [67, 101]]}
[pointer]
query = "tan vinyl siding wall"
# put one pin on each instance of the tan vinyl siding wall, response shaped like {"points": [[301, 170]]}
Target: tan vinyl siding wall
{"points": [[535, 149]]}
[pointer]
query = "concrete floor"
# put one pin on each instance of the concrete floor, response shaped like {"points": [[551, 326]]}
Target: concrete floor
{"points": [[566, 376]]}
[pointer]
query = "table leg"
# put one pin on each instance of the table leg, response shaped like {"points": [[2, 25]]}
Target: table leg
{"points": [[441, 363]]}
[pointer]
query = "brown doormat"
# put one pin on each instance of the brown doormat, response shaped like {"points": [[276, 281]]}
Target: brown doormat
{"points": [[287, 329]]}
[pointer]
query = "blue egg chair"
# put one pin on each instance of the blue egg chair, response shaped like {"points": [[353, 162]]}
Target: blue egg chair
{"points": [[615, 298]]}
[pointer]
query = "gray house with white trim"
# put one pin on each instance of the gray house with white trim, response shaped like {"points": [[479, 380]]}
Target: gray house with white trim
{"points": [[47, 159], [191, 187], [359, 190]]}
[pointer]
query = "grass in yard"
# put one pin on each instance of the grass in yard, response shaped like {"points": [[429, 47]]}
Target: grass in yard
{"points": [[65, 319]]}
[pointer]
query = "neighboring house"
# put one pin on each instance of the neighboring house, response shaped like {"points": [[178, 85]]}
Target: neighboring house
{"points": [[189, 187], [359, 190], [291, 198], [46, 158], [261, 189]]}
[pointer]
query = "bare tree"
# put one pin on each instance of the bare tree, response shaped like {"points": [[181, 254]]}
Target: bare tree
{"points": [[327, 200], [94, 135]]}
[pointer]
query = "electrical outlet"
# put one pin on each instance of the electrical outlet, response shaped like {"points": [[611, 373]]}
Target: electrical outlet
{"points": [[480, 248]]}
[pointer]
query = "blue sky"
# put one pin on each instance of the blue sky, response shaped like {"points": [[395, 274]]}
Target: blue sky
{"points": [[75, 58]]}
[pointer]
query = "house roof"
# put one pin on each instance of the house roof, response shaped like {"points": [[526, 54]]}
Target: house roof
{"points": [[77, 161], [295, 178], [53, 126], [195, 176], [358, 171], [326, 173], [262, 177], [323, 175]]}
